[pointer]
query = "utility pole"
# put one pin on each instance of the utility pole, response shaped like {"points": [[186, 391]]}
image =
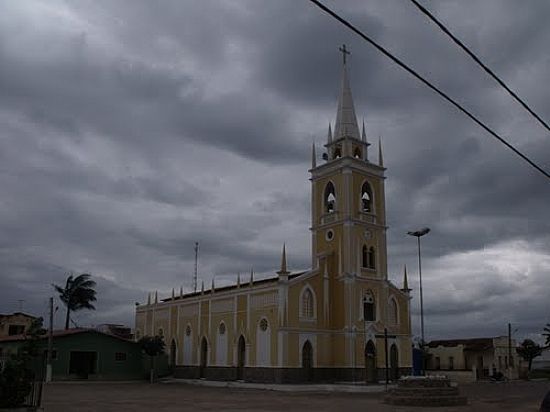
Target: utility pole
{"points": [[196, 266], [50, 345]]}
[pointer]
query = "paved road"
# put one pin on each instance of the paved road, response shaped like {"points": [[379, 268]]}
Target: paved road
{"points": [[119, 397]]}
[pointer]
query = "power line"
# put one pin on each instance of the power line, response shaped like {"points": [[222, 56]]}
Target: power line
{"points": [[478, 61], [430, 85]]}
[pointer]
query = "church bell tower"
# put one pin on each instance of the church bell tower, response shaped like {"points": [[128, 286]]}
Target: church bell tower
{"points": [[348, 199]]}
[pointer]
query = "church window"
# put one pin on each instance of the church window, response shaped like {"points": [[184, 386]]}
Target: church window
{"points": [[188, 331], [337, 152], [263, 325], [221, 329], [369, 313], [307, 304], [365, 257], [392, 312], [372, 258], [357, 153], [330, 198], [366, 198]]}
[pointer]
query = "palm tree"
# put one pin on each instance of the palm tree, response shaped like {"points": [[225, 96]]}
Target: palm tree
{"points": [[77, 294], [546, 334]]}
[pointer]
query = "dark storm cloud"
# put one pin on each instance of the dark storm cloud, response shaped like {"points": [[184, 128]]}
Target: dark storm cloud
{"points": [[131, 131]]}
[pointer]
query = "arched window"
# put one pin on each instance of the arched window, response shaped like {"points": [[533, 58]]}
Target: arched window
{"points": [[263, 343], [307, 304], [369, 312], [392, 312], [371, 258], [330, 198], [337, 152], [366, 198], [365, 257], [357, 153]]}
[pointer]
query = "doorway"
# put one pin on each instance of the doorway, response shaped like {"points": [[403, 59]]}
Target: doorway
{"points": [[370, 363], [82, 364], [307, 361], [394, 363], [204, 358], [241, 356]]}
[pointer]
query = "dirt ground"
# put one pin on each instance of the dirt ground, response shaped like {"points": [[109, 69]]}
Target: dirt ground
{"points": [[111, 397]]}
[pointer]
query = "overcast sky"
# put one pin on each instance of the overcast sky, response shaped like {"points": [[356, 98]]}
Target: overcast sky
{"points": [[131, 129]]}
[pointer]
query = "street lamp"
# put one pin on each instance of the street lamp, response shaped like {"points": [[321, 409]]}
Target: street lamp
{"points": [[418, 234]]}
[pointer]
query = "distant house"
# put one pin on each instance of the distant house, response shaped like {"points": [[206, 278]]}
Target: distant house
{"points": [[15, 324], [114, 329], [85, 354], [484, 355]]}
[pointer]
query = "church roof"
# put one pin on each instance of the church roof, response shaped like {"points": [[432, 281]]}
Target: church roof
{"points": [[232, 287], [346, 121]]}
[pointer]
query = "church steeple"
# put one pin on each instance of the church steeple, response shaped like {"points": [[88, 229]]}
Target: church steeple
{"points": [[346, 121]]}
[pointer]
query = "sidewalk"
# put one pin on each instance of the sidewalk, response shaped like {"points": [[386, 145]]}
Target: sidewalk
{"points": [[321, 387]]}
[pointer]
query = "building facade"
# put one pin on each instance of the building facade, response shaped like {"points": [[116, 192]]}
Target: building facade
{"points": [[325, 324], [15, 324]]}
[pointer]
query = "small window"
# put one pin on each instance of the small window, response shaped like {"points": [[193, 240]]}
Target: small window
{"points": [[365, 257], [330, 198], [371, 258], [307, 304], [357, 153], [451, 363], [337, 152], [263, 325], [366, 198], [369, 313], [16, 330], [188, 331], [120, 356], [222, 328]]}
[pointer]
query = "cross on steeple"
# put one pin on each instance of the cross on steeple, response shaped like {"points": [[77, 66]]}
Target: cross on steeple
{"points": [[344, 52]]}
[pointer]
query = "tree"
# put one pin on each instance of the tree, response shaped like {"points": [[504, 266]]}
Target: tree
{"points": [[152, 346], [546, 334], [529, 350], [77, 294]]}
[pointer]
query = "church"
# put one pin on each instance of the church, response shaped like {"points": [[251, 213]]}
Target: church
{"points": [[342, 320]]}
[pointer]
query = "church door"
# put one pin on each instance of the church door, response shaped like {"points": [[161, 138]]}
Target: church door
{"points": [[204, 358], [394, 363], [241, 356], [370, 363], [307, 361]]}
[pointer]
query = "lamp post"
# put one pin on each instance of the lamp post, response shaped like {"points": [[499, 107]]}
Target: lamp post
{"points": [[418, 234]]}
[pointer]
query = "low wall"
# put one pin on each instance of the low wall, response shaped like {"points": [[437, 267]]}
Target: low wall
{"points": [[460, 376]]}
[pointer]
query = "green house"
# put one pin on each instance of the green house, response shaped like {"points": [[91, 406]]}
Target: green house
{"points": [[85, 354]]}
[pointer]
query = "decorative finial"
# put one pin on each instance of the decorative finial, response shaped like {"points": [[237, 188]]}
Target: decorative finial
{"points": [[173, 294], [344, 52], [239, 280], [213, 287], [181, 291], [156, 297], [313, 156], [380, 158], [364, 135], [329, 136], [283, 271], [149, 298], [202, 288], [251, 276]]}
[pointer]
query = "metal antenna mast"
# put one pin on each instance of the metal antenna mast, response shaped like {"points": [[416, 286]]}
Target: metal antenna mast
{"points": [[196, 266]]}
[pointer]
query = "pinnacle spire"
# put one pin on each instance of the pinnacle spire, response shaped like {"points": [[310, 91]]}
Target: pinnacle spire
{"points": [[149, 298], [173, 293], [364, 135], [313, 156], [329, 135], [156, 297], [346, 121], [251, 276], [239, 280], [405, 280], [380, 158], [181, 291]]}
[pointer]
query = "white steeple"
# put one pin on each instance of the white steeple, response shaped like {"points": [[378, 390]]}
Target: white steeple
{"points": [[346, 121]]}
